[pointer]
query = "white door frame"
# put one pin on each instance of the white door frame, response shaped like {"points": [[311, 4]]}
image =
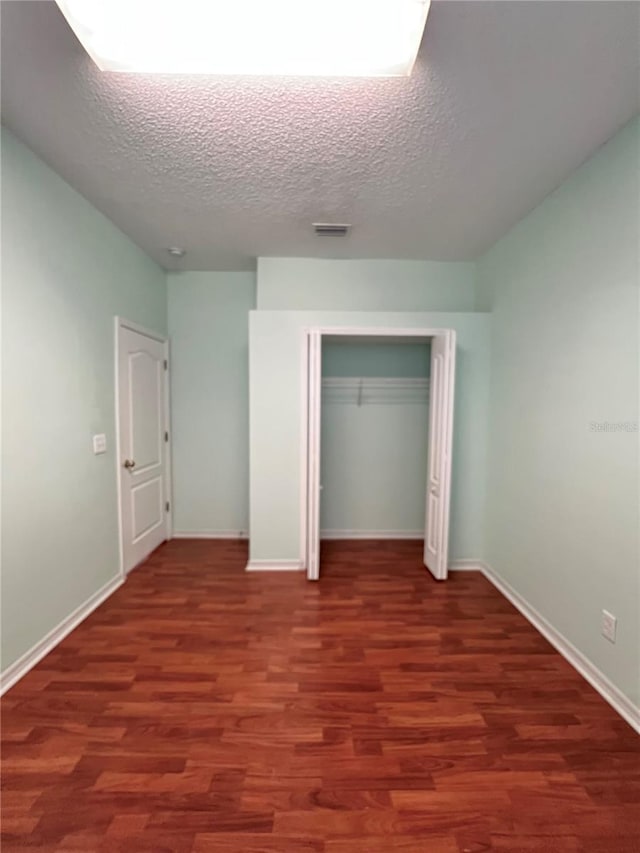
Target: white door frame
{"points": [[346, 331], [123, 323]]}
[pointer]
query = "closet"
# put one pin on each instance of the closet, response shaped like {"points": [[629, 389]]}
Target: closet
{"points": [[376, 422], [374, 438]]}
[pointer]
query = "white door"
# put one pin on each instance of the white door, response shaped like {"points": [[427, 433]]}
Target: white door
{"points": [[436, 538], [142, 443], [314, 390]]}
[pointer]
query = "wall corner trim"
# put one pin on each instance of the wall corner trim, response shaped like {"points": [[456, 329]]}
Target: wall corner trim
{"points": [[274, 566], [596, 678], [18, 669]]}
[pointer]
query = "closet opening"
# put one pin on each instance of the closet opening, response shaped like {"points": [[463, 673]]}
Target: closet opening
{"points": [[378, 429]]}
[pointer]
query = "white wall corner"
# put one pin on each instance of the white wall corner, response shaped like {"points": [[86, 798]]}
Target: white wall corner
{"points": [[596, 678], [17, 670]]}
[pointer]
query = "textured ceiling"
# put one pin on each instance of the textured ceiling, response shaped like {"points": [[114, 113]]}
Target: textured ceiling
{"points": [[507, 98]]}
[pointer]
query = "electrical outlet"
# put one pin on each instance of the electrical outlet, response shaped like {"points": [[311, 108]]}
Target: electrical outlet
{"points": [[608, 626]]}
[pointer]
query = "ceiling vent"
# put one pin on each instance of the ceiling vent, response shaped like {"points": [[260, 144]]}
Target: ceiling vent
{"points": [[330, 229]]}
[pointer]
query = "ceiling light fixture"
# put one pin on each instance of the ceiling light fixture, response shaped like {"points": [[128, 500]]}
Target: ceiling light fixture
{"points": [[327, 38], [176, 251]]}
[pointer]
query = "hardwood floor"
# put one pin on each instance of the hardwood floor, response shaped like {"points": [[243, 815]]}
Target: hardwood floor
{"points": [[206, 709]]}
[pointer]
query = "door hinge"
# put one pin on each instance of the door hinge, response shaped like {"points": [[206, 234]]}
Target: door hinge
{"points": [[167, 506], [166, 364], [166, 436]]}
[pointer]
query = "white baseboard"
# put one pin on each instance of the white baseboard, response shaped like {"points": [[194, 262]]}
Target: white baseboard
{"points": [[210, 534], [274, 566], [15, 671], [372, 534], [597, 679], [465, 565]]}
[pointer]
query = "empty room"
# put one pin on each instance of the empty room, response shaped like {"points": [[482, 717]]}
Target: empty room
{"points": [[320, 484]]}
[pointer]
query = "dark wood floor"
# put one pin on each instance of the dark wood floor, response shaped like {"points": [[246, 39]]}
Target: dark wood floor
{"points": [[205, 709]]}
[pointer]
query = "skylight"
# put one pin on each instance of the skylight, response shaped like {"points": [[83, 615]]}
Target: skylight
{"points": [[327, 38]]}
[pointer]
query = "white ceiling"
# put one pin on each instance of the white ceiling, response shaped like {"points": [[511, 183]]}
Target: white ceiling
{"points": [[507, 98]]}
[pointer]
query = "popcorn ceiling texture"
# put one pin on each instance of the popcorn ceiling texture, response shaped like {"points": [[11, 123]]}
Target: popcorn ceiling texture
{"points": [[505, 101]]}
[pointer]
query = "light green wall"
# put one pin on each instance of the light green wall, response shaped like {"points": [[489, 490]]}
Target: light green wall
{"points": [[374, 467], [208, 324], [310, 284], [375, 359], [562, 525], [275, 340], [66, 271]]}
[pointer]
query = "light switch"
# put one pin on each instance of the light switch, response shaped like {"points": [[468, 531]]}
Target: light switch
{"points": [[100, 443]]}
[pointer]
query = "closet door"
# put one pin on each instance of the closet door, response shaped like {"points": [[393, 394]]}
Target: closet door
{"points": [[314, 390], [441, 396]]}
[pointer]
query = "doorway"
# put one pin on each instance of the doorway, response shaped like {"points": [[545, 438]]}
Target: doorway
{"points": [[142, 430], [373, 453], [439, 426]]}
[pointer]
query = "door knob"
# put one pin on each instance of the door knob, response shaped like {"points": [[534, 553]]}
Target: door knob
{"points": [[129, 464]]}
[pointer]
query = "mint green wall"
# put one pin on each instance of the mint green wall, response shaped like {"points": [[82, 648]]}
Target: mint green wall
{"points": [[562, 525], [208, 324], [310, 284], [66, 271], [410, 360], [275, 339], [374, 468]]}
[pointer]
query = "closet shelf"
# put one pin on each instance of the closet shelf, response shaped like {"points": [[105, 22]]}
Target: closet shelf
{"points": [[360, 391]]}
